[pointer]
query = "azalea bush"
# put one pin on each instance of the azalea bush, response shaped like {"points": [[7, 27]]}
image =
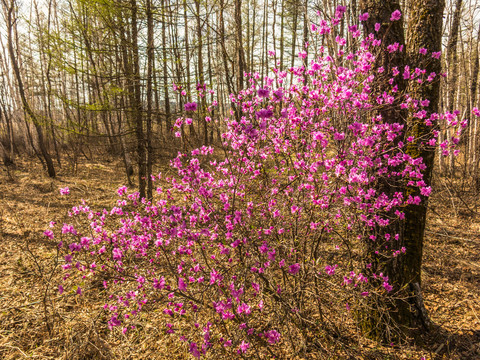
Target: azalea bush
{"points": [[260, 252]]}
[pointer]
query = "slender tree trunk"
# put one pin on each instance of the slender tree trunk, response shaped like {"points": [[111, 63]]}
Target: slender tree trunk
{"points": [[248, 47], [239, 46], [452, 67], [264, 41], [150, 55], [137, 103], [282, 34], [252, 46], [168, 123], [305, 32], [187, 51], [294, 38], [201, 76], [224, 50], [10, 18], [452, 56], [473, 96]]}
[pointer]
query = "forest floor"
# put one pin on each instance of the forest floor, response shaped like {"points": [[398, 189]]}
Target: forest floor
{"points": [[37, 323]]}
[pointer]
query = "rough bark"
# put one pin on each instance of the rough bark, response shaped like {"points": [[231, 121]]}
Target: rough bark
{"points": [[403, 312], [423, 32], [384, 315]]}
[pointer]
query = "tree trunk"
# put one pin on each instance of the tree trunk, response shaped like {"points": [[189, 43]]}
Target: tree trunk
{"points": [[224, 49], [150, 55], [452, 67], [473, 96], [168, 124], [201, 77], [137, 104], [384, 312], [423, 32], [10, 21], [404, 271], [239, 45]]}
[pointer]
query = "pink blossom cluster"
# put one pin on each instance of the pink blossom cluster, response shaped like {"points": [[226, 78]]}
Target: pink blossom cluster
{"points": [[252, 246]]}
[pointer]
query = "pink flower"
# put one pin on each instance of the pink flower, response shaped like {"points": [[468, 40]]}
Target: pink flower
{"points": [[340, 11], [264, 114], [387, 286], [396, 15], [243, 347], [364, 17], [181, 284], [294, 269], [194, 350], [227, 343], [244, 308], [278, 94], [272, 336], [436, 55], [330, 270], [263, 93], [377, 26], [191, 106], [423, 51], [64, 191]]}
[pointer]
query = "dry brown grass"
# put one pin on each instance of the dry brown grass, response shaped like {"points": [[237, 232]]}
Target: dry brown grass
{"points": [[37, 323]]}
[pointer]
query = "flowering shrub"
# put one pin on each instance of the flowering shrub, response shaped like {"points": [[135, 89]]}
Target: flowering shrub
{"points": [[253, 254]]}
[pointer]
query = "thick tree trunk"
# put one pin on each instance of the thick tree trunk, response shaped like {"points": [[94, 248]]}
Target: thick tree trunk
{"points": [[405, 311], [385, 312], [423, 32]]}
